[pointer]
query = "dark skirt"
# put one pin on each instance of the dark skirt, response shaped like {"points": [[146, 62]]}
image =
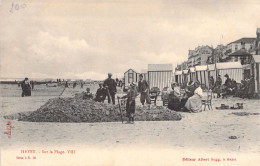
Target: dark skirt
{"points": [[174, 102], [130, 108]]}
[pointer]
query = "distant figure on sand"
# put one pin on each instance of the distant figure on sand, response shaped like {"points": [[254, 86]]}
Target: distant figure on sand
{"points": [[26, 87], [100, 94], [87, 95], [130, 104], [32, 83], [66, 84], [143, 88], [110, 86], [81, 85], [74, 84]]}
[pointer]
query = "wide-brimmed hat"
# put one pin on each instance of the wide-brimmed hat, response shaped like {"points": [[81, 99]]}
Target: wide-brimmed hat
{"points": [[226, 75], [133, 84], [174, 83]]}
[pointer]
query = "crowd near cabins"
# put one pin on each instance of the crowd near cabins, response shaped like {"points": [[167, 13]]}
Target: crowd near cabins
{"points": [[239, 59]]}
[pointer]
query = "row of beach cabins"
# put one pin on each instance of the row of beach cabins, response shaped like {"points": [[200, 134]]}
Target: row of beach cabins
{"points": [[162, 75]]}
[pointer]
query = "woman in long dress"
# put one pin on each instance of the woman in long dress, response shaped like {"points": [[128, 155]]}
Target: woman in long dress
{"points": [[193, 103]]}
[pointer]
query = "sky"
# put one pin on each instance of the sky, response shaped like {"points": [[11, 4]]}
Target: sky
{"points": [[86, 39]]}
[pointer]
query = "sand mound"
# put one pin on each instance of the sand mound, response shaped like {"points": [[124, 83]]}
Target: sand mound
{"points": [[78, 110]]}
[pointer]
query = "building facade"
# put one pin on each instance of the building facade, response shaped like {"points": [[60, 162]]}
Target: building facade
{"points": [[236, 45], [199, 56]]}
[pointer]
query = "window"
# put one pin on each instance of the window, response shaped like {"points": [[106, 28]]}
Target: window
{"points": [[236, 47], [130, 77]]}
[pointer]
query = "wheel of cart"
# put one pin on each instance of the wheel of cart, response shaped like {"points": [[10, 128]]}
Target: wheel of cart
{"points": [[154, 92]]}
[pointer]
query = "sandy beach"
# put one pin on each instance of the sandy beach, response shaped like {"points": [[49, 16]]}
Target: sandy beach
{"points": [[203, 133]]}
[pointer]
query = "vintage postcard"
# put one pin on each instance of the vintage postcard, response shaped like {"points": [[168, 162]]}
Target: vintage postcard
{"points": [[129, 82]]}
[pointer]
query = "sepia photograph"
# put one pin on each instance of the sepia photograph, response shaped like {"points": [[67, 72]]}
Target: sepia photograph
{"points": [[129, 82]]}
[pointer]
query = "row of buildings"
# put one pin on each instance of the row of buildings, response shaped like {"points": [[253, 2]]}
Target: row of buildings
{"points": [[239, 59]]}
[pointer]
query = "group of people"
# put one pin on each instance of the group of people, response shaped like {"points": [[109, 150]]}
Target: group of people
{"points": [[190, 101], [108, 90], [245, 89]]}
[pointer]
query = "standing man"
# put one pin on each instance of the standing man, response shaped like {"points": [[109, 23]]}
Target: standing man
{"points": [[110, 85], [218, 85], [211, 82], [26, 87], [143, 88], [251, 87], [81, 84]]}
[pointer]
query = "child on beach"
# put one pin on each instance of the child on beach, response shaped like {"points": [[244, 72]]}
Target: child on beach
{"points": [[87, 95], [130, 104]]}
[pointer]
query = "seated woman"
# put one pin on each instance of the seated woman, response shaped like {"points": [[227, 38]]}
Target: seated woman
{"points": [[189, 91], [193, 103], [174, 97]]}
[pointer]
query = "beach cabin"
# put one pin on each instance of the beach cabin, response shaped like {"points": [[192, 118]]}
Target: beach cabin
{"points": [[185, 74], [192, 74], [160, 75], [212, 71], [202, 75], [234, 69], [178, 76], [256, 71], [130, 76]]}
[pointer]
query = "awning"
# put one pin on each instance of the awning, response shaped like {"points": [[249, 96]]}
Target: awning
{"points": [[229, 65], [211, 67], [256, 58], [185, 71], [201, 68], [192, 69], [178, 73]]}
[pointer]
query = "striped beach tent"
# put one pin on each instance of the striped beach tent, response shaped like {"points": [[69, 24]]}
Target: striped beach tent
{"points": [[178, 77], [234, 69], [192, 74], [160, 75], [202, 74], [256, 67]]}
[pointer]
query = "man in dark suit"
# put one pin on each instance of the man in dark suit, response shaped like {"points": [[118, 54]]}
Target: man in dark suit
{"points": [[110, 86]]}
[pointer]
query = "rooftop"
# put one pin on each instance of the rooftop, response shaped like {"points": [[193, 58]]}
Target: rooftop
{"points": [[244, 39], [241, 52], [160, 67]]}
